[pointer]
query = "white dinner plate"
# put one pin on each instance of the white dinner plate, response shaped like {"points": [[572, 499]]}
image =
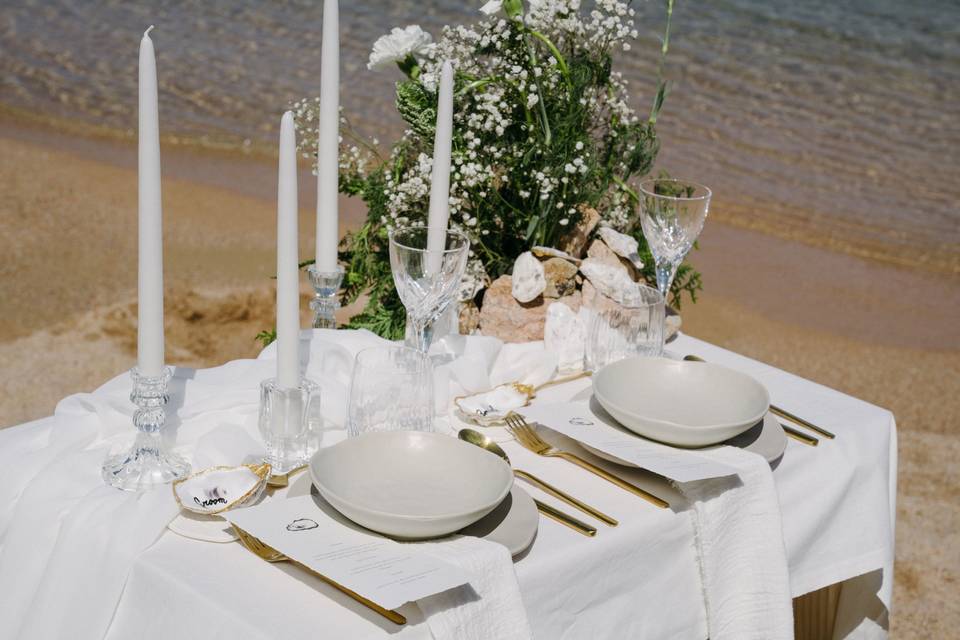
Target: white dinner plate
{"points": [[686, 404], [513, 523], [765, 439], [409, 484]]}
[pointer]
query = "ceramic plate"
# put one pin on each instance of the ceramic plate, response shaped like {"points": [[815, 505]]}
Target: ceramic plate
{"points": [[513, 523], [408, 484], [200, 527], [765, 439], [686, 404]]}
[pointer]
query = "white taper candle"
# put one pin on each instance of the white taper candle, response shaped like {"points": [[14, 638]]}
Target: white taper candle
{"points": [[288, 273], [150, 219], [328, 142], [439, 213]]}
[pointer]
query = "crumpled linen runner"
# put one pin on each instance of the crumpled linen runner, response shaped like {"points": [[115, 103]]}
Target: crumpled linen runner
{"points": [[743, 561]]}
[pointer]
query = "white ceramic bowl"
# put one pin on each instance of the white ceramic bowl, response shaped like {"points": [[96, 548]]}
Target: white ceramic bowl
{"points": [[409, 484], [688, 404]]}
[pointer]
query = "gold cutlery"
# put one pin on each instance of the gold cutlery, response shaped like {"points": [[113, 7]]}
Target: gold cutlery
{"points": [[777, 411], [475, 437], [283, 479], [799, 436], [786, 415], [555, 514], [272, 555], [527, 436]]}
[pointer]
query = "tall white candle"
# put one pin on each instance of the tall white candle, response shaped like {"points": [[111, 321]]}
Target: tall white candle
{"points": [[150, 222], [328, 143], [288, 285], [440, 182]]}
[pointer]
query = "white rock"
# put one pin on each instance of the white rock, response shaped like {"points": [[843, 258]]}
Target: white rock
{"points": [[621, 244], [671, 326], [550, 252], [612, 281], [528, 279], [564, 334]]}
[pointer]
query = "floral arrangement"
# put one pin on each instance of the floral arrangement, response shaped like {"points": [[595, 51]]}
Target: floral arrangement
{"points": [[543, 132]]}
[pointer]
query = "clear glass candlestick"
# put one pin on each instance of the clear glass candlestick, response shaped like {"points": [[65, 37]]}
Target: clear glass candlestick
{"points": [[290, 423], [326, 287], [148, 462]]}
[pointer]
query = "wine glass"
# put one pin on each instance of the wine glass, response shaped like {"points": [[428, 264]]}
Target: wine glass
{"points": [[672, 213], [391, 389], [426, 279]]}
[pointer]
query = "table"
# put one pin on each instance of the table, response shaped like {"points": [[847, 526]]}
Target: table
{"points": [[837, 502]]}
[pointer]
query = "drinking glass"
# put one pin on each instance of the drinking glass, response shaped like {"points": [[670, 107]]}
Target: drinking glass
{"points": [[426, 280], [635, 328], [672, 213], [391, 389]]}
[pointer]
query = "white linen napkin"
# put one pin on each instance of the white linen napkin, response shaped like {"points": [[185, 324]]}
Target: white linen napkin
{"points": [[490, 606], [743, 562]]}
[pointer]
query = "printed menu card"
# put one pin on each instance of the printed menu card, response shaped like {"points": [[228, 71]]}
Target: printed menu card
{"points": [[588, 423], [379, 569]]}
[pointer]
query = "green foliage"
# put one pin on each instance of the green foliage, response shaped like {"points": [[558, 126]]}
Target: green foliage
{"points": [[266, 337]]}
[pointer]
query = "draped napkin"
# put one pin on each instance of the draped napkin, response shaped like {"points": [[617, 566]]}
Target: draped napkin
{"points": [[490, 606], [743, 562]]}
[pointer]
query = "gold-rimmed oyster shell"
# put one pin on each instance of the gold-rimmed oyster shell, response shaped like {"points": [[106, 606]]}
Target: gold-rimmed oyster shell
{"points": [[218, 489], [489, 408]]}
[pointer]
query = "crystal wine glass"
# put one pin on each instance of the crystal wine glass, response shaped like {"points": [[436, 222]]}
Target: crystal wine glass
{"points": [[426, 280], [672, 213]]}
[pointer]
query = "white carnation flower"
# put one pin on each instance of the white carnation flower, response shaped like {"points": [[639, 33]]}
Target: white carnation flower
{"points": [[398, 44], [492, 7]]}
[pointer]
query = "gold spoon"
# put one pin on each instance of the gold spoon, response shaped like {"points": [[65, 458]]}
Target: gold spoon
{"points": [[482, 441]]}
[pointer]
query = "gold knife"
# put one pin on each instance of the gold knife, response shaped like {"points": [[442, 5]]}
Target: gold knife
{"points": [[555, 514]]}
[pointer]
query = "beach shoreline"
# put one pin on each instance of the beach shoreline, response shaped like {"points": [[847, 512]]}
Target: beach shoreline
{"points": [[879, 332]]}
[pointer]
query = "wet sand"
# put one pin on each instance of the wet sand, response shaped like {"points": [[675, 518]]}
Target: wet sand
{"points": [[67, 293]]}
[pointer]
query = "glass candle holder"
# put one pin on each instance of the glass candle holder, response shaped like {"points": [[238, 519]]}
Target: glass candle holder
{"points": [[148, 462], [290, 423], [326, 287]]}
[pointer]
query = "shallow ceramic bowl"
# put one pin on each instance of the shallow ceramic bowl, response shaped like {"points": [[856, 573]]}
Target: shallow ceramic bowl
{"points": [[688, 404], [409, 484]]}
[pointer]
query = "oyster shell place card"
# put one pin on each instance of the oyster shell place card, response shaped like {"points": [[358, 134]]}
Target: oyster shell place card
{"points": [[381, 570], [588, 423]]}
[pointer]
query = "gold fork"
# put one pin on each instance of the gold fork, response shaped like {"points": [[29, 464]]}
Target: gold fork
{"points": [[527, 437], [272, 555]]}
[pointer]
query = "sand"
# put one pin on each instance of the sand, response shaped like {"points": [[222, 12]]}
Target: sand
{"points": [[67, 285]]}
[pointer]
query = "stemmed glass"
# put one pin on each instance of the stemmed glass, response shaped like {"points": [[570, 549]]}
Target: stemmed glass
{"points": [[427, 280], [672, 213]]}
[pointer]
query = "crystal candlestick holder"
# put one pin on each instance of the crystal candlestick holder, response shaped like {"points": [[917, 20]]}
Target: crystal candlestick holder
{"points": [[326, 286], [148, 462], [290, 423]]}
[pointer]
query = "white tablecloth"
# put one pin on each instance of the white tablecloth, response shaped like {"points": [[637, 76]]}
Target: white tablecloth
{"points": [[638, 580]]}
